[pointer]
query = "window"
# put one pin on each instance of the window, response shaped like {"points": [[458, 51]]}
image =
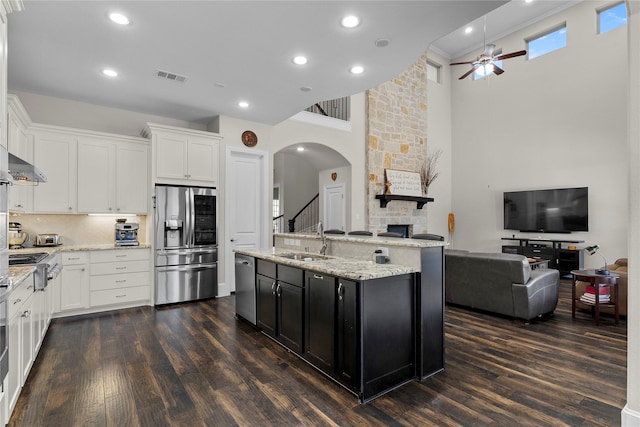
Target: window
{"points": [[275, 210], [612, 17], [547, 42], [433, 71]]}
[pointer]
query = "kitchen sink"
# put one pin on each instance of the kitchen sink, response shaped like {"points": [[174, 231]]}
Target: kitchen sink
{"points": [[305, 257]]}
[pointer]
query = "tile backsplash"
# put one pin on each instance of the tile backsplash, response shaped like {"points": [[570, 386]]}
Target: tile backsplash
{"points": [[77, 229]]}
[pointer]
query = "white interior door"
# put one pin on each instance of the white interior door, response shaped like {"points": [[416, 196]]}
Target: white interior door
{"points": [[334, 207], [247, 198]]}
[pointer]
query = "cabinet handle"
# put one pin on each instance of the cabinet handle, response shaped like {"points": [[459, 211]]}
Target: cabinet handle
{"points": [[121, 296], [110, 209], [18, 206], [73, 258], [17, 301], [120, 281], [317, 276], [26, 314], [340, 290], [278, 290], [273, 288], [121, 256], [70, 208], [121, 268]]}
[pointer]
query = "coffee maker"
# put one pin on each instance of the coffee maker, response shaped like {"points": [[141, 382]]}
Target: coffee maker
{"points": [[126, 233]]}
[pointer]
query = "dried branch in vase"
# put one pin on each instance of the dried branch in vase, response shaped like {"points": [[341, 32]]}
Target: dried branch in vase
{"points": [[428, 173]]}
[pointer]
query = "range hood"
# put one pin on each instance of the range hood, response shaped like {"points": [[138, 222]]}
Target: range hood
{"points": [[22, 171]]}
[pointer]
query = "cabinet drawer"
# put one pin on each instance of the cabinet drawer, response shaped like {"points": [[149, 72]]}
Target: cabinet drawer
{"points": [[117, 281], [266, 268], [119, 255], [19, 296], [71, 258], [119, 267], [291, 275], [119, 296]]}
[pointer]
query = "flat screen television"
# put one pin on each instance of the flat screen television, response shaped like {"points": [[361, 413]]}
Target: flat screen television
{"points": [[560, 210]]}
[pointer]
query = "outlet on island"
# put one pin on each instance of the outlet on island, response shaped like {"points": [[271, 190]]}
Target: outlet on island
{"points": [[382, 251]]}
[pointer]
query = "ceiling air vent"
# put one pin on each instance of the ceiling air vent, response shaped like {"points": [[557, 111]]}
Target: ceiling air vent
{"points": [[171, 76]]}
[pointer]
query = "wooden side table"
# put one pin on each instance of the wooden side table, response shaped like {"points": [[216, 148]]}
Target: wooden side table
{"points": [[596, 280]]}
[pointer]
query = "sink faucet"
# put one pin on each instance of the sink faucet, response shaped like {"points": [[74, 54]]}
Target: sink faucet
{"points": [[321, 235]]}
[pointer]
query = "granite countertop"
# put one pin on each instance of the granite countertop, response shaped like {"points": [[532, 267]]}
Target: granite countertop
{"points": [[348, 268], [18, 273], [72, 248], [386, 241]]}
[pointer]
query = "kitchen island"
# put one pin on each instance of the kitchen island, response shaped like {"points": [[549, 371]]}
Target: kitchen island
{"points": [[370, 327]]}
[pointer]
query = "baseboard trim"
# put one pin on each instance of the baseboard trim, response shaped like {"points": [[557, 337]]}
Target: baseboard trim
{"points": [[223, 290], [630, 418]]}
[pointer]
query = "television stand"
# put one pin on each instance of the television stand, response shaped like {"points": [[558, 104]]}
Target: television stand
{"points": [[563, 260]]}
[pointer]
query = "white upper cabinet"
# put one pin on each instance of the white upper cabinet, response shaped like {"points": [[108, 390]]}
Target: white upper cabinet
{"points": [[132, 178], [183, 156], [55, 153], [90, 172], [113, 176]]}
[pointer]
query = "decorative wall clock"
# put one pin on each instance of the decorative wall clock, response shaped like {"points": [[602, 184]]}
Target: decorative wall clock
{"points": [[249, 138]]}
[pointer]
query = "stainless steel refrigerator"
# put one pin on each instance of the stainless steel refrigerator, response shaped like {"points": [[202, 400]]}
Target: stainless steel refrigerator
{"points": [[186, 257]]}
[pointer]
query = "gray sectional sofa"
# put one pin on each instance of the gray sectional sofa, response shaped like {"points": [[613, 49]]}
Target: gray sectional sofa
{"points": [[500, 283]]}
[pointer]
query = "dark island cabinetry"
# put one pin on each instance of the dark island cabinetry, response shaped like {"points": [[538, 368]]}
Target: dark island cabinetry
{"points": [[280, 303], [362, 333], [320, 317], [371, 332]]}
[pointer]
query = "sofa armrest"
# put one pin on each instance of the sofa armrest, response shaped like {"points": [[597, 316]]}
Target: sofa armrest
{"points": [[538, 296]]}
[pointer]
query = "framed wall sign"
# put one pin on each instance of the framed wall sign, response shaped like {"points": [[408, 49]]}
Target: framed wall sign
{"points": [[402, 183]]}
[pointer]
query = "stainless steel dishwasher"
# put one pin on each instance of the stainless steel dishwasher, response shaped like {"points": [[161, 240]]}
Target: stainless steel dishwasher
{"points": [[246, 287]]}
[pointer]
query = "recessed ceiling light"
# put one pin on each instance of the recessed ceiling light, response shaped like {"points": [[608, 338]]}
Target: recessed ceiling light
{"points": [[218, 84], [300, 148], [119, 18], [306, 88], [350, 21], [357, 69], [382, 42], [468, 30], [300, 60], [528, 1], [243, 104], [109, 72]]}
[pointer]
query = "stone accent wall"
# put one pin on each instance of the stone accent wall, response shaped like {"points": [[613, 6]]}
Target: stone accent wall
{"points": [[397, 132]]}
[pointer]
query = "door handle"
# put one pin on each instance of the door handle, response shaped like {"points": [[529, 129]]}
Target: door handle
{"points": [[232, 240]]}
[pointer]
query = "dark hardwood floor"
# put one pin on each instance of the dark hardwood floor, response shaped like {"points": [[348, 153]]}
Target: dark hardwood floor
{"points": [[196, 365]]}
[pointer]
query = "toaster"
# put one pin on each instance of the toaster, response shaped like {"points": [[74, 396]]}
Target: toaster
{"points": [[48, 240]]}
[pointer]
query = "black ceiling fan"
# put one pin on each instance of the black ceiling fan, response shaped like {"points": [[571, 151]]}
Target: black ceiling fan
{"points": [[487, 58]]}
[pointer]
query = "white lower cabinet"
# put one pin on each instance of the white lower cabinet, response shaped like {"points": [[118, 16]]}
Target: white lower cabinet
{"points": [[22, 339], [99, 280], [120, 276], [74, 282]]}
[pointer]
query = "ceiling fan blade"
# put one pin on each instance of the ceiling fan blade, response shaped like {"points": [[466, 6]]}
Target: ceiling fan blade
{"points": [[510, 55], [497, 70], [460, 63], [466, 74]]}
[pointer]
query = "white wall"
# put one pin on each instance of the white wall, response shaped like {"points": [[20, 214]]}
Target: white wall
{"points": [[631, 412], [350, 144], [555, 121], [439, 138], [80, 115]]}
